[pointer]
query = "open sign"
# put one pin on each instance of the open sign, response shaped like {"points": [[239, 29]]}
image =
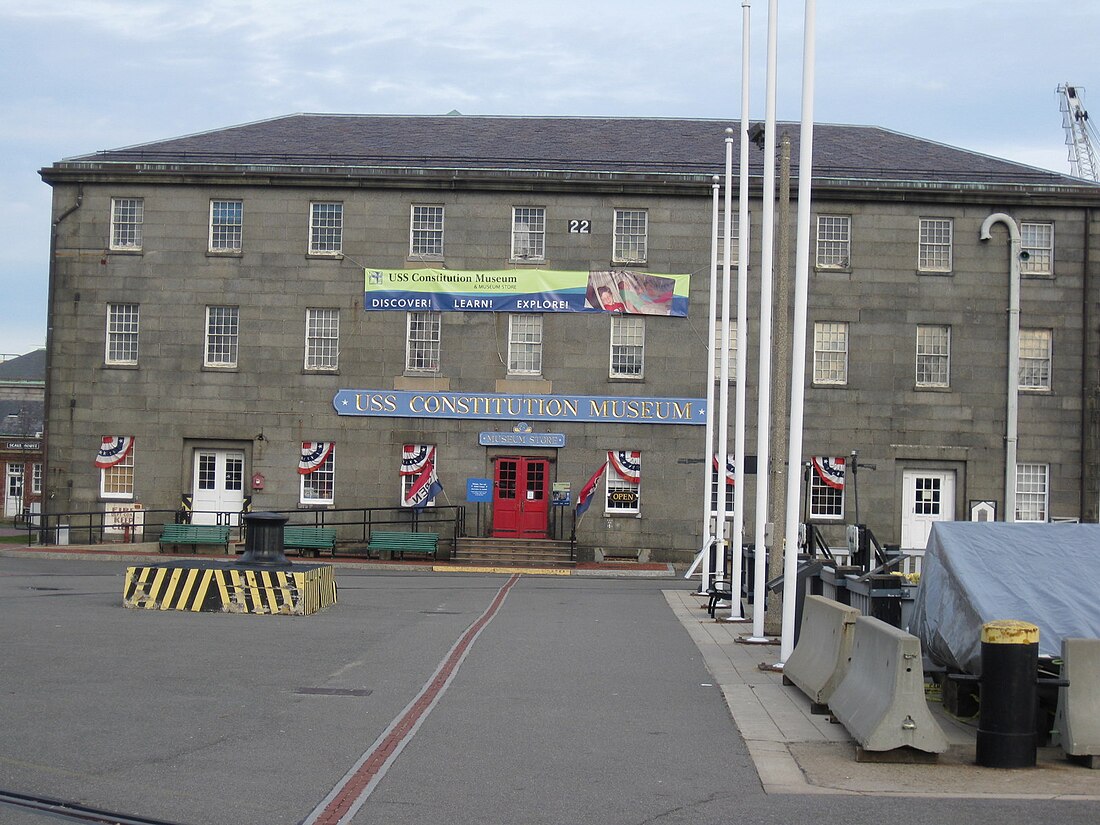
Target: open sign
{"points": [[627, 497]]}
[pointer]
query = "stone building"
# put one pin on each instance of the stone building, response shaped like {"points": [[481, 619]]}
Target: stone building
{"points": [[341, 311], [22, 388]]}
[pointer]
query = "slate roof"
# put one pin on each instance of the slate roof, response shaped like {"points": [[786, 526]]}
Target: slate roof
{"points": [[653, 146], [25, 368], [21, 418]]}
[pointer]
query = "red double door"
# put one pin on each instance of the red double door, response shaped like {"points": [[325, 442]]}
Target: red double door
{"points": [[521, 498]]}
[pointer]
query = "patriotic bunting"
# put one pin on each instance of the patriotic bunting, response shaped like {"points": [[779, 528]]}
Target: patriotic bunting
{"points": [[627, 464], [731, 471], [419, 460], [413, 458], [830, 471], [314, 454], [112, 450]]}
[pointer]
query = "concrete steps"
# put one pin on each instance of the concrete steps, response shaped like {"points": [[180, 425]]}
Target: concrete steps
{"points": [[513, 552]]}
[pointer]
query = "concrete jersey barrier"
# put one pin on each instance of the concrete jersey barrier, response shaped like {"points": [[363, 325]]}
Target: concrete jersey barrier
{"points": [[1077, 719], [881, 699], [819, 661]]}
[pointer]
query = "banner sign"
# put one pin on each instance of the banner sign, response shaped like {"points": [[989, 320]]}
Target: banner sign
{"points": [[497, 406], [525, 290], [488, 439]]}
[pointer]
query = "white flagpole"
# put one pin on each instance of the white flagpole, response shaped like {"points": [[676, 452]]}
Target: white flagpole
{"points": [[736, 609], [724, 368], [764, 377], [798, 351]]}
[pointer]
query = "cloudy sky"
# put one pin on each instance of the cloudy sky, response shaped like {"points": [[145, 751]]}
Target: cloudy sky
{"points": [[84, 75]]}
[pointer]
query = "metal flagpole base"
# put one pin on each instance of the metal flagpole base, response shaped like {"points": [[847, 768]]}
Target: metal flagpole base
{"points": [[757, 640], [740, 619], [776, 668]]}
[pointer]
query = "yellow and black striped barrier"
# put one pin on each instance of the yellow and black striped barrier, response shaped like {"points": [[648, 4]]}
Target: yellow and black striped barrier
{"points": [[195, 585]]}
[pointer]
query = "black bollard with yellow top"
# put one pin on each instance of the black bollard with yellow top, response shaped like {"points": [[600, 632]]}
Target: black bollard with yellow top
{"points": [[1007, 736]]}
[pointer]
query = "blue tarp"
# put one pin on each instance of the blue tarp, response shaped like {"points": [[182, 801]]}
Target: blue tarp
{"points": [[978, 572]]}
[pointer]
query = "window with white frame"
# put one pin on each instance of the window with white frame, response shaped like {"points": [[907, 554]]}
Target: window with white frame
{"points": [[117, 481], [735, 236], [322, 339], [528, 233], [714, 482], [623, 483], [934, 253], [525, 344], [717, 345], [422, 341], [831, 352], [326, 228], [826, 491], [226, 226], [627, 346], [631, 232], [222, 336], [1032, 492], [1037, 241], [933, 356], [834, 241], [1035, 358], [36, 478], [127, 217], [426, 232], [319, 484], [122, 334]]}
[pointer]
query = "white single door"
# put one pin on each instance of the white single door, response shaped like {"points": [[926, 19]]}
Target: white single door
{"points": [[13, 491], [929, 496], [218, 487]]}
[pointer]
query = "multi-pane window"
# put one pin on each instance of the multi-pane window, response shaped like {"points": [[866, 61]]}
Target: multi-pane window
{"points": [[627, 346], [117, 481], [525, 344], [935, 245], [623, 497], [322, 339], [226, 225], [1037, 240], [422, 341], [717, 343], [1032, 489], [318, 485], [426, 232], [36, 478], [528, 233], [326, 228], [714, 492], [735, 236], [127, 217], [830, 352], [826, 501], [122, 334], [631, 230], [222, 336], [834, 241], [1035, 358], [933, 356]]}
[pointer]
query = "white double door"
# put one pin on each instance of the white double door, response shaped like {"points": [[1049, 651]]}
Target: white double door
{"points": [[928, 496], [218, 487]]}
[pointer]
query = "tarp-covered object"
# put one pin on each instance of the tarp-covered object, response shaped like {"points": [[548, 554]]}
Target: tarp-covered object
{"points": [[978, 572]]}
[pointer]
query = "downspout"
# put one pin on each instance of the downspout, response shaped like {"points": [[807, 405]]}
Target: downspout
{"points": [[48, 393], [1087, 383], [1013, 391]]}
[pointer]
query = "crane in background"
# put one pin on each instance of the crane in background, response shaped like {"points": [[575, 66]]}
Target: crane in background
{"points": [[1080, 135]]}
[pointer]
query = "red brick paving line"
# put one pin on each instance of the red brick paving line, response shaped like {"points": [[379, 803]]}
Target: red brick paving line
{"points": [[352, 792]]}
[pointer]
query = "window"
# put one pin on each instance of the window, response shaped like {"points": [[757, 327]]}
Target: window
{"points": [[1032, 482], [718, 349], [326, 228], [631, 227], [623, 483], [935, 245], [830, 352], [1035, 359], [322, 339], [36, 479], [834, 241], [15, 483], [117, 481], [426, 232], [122, 334], [1037, 240], [627, 346], [735, 236], [933, 356], [714, 488], [318, 485], [127, 216], [226, 222], [422, 341], [826, 488], [525, 344], [222, 328], [528, 233]]}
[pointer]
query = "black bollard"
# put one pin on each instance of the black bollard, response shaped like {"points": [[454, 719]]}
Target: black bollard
{"points": [[1007, 735], [263, 544]]}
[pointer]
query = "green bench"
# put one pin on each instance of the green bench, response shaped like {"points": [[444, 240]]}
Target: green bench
{"points": [[195, 534], [309, 540], [400, 543]]}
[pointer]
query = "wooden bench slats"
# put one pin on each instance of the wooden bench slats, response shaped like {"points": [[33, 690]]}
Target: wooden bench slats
{"points": [[195, 534], [297, 537], [402, 542]]}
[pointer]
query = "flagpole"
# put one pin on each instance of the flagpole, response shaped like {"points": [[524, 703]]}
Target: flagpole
{"points": [[798, 351], [724, 363], [764, 376], [736, 608]]}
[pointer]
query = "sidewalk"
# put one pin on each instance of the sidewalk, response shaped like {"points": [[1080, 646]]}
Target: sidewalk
{"points": [[798, 752]]}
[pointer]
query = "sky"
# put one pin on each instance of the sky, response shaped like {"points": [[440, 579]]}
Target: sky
{"points": [[85, 75]]}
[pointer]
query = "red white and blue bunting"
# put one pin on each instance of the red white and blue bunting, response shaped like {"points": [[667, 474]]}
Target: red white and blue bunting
{"points": [[113, 449], [419, 460], [627, 464], [314, 454], [413, 458], [731, 473], [830, 471]]}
